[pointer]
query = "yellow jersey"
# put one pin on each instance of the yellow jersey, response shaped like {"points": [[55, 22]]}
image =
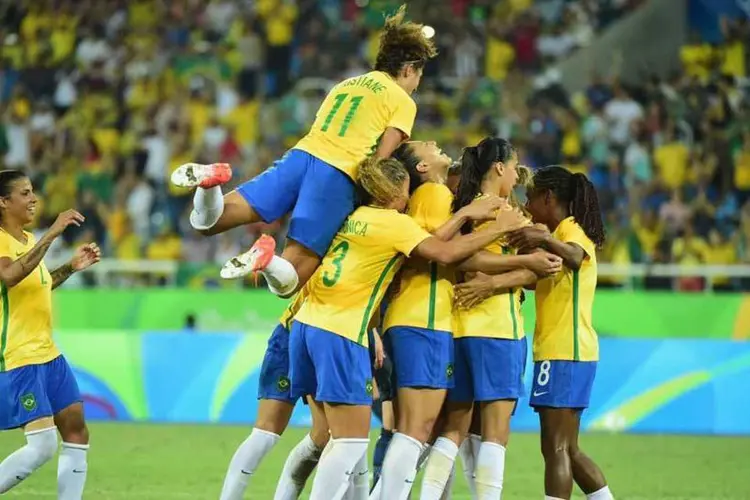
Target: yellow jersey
{"points": [[564, 302], [425, 297], [352, 118], [26, 312], [293, 308], [347, 288], [497, 317]]}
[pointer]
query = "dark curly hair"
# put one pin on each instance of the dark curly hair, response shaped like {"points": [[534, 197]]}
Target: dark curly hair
{"points": [[576, 192], [403, 43]]}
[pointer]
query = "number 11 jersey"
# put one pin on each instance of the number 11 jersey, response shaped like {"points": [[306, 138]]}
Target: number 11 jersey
{"points": [[353, 116]]}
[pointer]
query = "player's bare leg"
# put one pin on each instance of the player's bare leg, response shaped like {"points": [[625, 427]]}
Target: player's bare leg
{"points": [[490, 461], [586, 474], [443, 453], [350, 426], [303, 459], [564, 462], [72, 464], [273, 418], [418, 412], [40, 447], [213, 212]]}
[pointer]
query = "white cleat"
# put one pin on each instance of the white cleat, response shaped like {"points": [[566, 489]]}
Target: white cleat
{"points": [[192, 175], [254, 260]]}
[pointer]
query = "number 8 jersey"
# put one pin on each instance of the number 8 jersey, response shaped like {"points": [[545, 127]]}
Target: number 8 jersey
{"points": [[25, 311], [376, 101], [347, 288]]}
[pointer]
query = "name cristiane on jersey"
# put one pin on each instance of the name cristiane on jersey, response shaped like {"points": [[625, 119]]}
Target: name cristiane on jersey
{"points": [[363, 81], [357, 227]]}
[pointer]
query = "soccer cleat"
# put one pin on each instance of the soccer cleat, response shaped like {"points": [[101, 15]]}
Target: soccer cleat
{"points": [[191, 175], [254, 260]]}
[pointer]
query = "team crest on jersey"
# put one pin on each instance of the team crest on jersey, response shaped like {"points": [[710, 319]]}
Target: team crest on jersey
{"points": [[449, 370], [368, 386], [28, 401], [283, 383]]}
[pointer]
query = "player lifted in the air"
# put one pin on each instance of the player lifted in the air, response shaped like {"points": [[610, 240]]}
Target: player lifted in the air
{"points": [[315, 180]]}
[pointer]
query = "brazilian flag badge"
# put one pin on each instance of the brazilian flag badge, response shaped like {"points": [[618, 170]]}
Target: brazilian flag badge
{"points": [[28, 401]]}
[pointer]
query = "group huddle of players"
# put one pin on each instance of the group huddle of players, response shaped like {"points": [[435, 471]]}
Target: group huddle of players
{"points": [[371, 215]]}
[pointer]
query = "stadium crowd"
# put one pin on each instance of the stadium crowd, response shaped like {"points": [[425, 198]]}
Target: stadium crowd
{"points": [[102, 99]]}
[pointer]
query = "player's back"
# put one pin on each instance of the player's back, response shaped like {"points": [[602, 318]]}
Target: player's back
{"points": [[26, 312], [353, 116]]}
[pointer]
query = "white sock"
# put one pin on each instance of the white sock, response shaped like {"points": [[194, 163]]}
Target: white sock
{"points": [[297, 469], [448, 491], [336, 468], [208, 205], [359, 486], [244, 462], [281, 276], [468, 460], [40, 447], [601, 494], [71, 471], [400, 466], [490, 469], [439, 468]]}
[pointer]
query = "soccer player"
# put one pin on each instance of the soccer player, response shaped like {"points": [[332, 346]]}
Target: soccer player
{"points": [[38, 391], [315, 180], [490, 344], [566, 348], [274, 411], [419, 318], [327, 350]]}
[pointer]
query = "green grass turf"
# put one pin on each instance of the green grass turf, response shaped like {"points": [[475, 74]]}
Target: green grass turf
{"points": [[165, 462]]}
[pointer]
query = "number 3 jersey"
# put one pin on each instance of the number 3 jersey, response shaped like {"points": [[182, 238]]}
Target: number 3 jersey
{"points": [[25, 311], [353, 116], [347, 288]]}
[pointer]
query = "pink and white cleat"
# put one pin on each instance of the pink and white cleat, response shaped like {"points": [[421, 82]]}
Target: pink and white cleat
{"points": [[191, 175], [254, 260]]}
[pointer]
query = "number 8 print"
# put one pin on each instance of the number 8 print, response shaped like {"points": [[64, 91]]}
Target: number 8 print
{"points": [[543, 378]]}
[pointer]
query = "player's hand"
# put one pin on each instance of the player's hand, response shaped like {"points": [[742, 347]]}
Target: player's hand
{"points": [[510, 220], [85, 256], [484, 209], [528, 237], [379, 350], [474, 291], [65, 219], [544, 263]]}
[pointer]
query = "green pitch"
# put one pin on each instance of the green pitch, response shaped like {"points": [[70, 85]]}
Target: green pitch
{"points": [[170, 462]]}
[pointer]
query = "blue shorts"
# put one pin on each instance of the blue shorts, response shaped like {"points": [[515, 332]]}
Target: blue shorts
{"points": [[488, 369], [563, 384], [422, 357], [32, 392], [332, 368], [319, 196], [274, 372]]}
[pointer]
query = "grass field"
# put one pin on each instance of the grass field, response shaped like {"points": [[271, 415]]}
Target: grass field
{"points": [[165, 462]]}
